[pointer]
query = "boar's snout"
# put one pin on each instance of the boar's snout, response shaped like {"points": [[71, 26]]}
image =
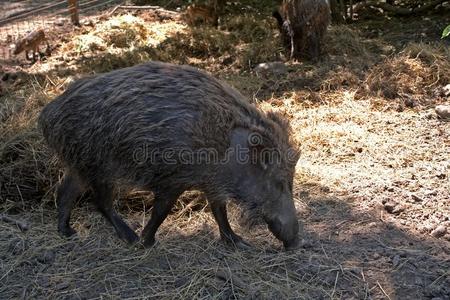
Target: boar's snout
{"points": [[284, 225]]}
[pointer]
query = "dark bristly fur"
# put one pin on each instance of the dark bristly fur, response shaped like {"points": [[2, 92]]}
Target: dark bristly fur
{"points": [[303, 24], [99, 124]]}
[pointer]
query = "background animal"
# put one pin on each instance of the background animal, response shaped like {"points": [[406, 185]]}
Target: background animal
{"points": [[303, 24], [31, 42], [201, 14]]}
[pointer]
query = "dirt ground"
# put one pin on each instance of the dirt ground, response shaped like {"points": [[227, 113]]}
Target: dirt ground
{"points": [[371, 187]]}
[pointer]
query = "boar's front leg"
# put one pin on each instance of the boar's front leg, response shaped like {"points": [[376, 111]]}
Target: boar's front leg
{"points": [[219, 210], [162, 204]]}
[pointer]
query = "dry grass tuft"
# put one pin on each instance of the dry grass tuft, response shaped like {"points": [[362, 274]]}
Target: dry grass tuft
{"points": [[123, 40], [346, 46], [418, 70]]}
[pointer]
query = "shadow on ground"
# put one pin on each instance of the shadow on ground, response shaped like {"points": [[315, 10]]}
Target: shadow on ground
{"points": [[347, 252]]}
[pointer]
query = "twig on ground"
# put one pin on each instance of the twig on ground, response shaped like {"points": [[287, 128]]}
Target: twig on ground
{"points": [[228, 276], [21, 225], [384, 292], [159, 10]]}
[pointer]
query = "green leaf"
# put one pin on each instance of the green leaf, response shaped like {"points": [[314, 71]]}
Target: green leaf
{"points": [[446, 32]]}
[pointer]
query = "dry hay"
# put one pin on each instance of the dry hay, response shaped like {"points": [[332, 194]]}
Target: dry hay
{"points": [[241, 43], [121, 33], [346, 46], [419, 70], [27, 169]]}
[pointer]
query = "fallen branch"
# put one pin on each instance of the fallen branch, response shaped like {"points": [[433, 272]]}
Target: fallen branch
{"points": [[233, 279], [157, 9], [401, 11], [21, 225]]}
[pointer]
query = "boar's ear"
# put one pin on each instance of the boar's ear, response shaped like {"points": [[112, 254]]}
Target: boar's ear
{"points": [[280, 118], [261, 147]]}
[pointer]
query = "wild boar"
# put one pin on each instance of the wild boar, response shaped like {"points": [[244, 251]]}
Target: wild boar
{"points": [[303, 24], [167, 129]]}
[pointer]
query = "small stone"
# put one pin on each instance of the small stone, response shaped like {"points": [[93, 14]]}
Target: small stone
{"points": [[399, 208], [443, 111], [416, 198], [393, 207], [304, 194], [409, 102], [376, 255], [446, 90], [428, 228], [306, 244], [439, 231], [325, 189], [47, 257], [396, 261], [431, 193], [441, 175], [5, 77], [61, 286], [372, 225], [59, 22], [88, 22], [181, 281], [389, 206], [269, 69], [421, 229]]}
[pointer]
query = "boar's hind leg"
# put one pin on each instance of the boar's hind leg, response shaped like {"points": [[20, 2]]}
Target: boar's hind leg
{"points": [[162, 205], [103, 193], [219, 210], [69, 190]]}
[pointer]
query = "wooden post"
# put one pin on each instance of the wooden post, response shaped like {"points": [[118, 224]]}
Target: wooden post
{"points": [[73, 8], [351, 11]]}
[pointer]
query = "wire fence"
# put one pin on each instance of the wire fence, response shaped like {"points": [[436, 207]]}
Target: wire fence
{"points": [[18, 18]]}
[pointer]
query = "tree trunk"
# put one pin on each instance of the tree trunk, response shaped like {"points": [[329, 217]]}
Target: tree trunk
{"points": [[351, 10], [336, 15], [73, 8]]}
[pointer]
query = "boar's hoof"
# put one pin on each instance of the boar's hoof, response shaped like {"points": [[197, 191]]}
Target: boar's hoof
{"points": [[66, 231], [237, 242], [130, 237], [292, 245], [148, 243]]}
